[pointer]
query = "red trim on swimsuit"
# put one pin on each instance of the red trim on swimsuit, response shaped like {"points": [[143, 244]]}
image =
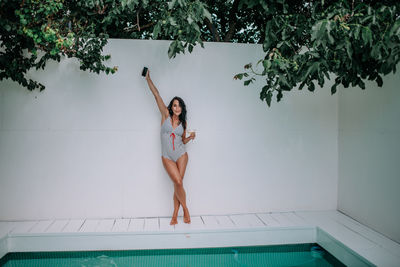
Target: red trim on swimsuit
{"points": [[173, 140]]}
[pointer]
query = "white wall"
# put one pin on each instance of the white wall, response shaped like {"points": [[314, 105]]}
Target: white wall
{"points": [[369, 155], [88, 146]]}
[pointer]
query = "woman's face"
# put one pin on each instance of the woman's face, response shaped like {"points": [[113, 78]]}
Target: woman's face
{"points": [[176, 108]]}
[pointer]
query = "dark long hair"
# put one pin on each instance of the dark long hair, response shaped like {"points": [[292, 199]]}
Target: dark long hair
{"points": [[182, 116]]}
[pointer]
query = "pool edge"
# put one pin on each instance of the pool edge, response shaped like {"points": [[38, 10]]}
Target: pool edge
{"points": [[95, 241]]}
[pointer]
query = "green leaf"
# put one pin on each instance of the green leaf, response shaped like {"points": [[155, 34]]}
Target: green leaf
{"points": [[156, 30], [172, 21], [357, 32], [328, 33], [302, 85], [349, 49], [207, 14], [366, 35], [311, 86], [311, 69], [333, 89], [318, 30], [171, 50], [395, 29], [267, 64], [279, 96], [268, 98], [379, 81], [361, 84], [238, 76], [247, 82], [171, 4]]}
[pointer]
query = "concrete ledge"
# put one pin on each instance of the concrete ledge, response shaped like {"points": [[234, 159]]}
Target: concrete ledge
{"points": [[340, 251], [3, 246], [349, 241], [159, 240]]}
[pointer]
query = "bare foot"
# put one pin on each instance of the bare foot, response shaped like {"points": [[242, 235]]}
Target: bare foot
{"points": [[186, 216], [174, 221]]}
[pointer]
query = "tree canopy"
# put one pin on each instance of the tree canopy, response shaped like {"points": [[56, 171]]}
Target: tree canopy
{"points": [[305, 42]]}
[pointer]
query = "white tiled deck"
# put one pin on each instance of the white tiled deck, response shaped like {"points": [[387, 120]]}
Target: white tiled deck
{"points": [[331, 229]]}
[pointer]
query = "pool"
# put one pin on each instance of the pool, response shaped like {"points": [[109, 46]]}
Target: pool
{"points": [[272, 256]]}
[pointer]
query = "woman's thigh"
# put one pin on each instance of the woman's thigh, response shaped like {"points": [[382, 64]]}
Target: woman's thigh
{"points": [[182, 163], [172, 170]]}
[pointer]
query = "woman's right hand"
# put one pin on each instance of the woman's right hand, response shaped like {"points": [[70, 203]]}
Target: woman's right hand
{"points": [[148, 74]]}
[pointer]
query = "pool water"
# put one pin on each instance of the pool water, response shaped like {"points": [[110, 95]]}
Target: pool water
{"points": [[271, 256]]}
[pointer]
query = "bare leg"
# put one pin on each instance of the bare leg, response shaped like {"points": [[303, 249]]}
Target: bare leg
{"points": [[174, 219], [182, 163], [173, 171]]}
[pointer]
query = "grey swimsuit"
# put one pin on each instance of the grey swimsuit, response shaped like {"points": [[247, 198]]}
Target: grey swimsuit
{"points": [[172, 146]]}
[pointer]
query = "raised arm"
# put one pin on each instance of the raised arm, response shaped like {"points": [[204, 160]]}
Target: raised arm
{"points": [[160, 103]]}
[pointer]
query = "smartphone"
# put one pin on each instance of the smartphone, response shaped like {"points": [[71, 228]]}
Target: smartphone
{"points": [[144, 71]]}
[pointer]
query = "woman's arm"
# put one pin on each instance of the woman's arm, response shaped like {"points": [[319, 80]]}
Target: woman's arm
{"points": [[187, 139], [160, 103]]}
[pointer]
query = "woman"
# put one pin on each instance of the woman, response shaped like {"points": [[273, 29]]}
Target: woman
{"points": [[173, 138]]}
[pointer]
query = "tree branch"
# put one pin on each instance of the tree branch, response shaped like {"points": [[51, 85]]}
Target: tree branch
{"points": [[136, 27], [232, 21], [213, 31]]}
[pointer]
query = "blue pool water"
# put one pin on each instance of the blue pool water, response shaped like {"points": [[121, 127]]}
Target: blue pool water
{"points": [[271, 256]]}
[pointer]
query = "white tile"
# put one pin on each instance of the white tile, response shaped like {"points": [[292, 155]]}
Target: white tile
{"points": [[283, 220], [380, 257], [73, 226], [196, 223], [302, 218], [292, 220], [121, 225], [345, 235], [181, 225], [57, 226], [368, 233], [268, 220], [23, 227], [225, 222], [210, 222], [247, 221], [299, 221], [165, 225], [5, 228], [105, 225], [89, 226], [41, 226], [306, 217], [151, 224], [136, 225], [313, 217]]}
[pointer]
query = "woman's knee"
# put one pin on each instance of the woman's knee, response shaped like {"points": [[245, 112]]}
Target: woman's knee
{"points": [[178, 182]]}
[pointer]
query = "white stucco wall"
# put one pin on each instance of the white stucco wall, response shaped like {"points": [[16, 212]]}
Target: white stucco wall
{"points": [[88, 146], [369, 155]]}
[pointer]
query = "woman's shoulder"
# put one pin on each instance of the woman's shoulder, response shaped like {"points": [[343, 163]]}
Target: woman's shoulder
{"points": [[165, 114], [164, 117]]}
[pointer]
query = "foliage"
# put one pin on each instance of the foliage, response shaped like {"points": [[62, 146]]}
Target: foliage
{"points": [[80, 29], [354, 41], [304, 41]]}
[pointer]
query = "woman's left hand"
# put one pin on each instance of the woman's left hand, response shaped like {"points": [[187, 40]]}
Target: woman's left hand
{"points": [[192, 135]]}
